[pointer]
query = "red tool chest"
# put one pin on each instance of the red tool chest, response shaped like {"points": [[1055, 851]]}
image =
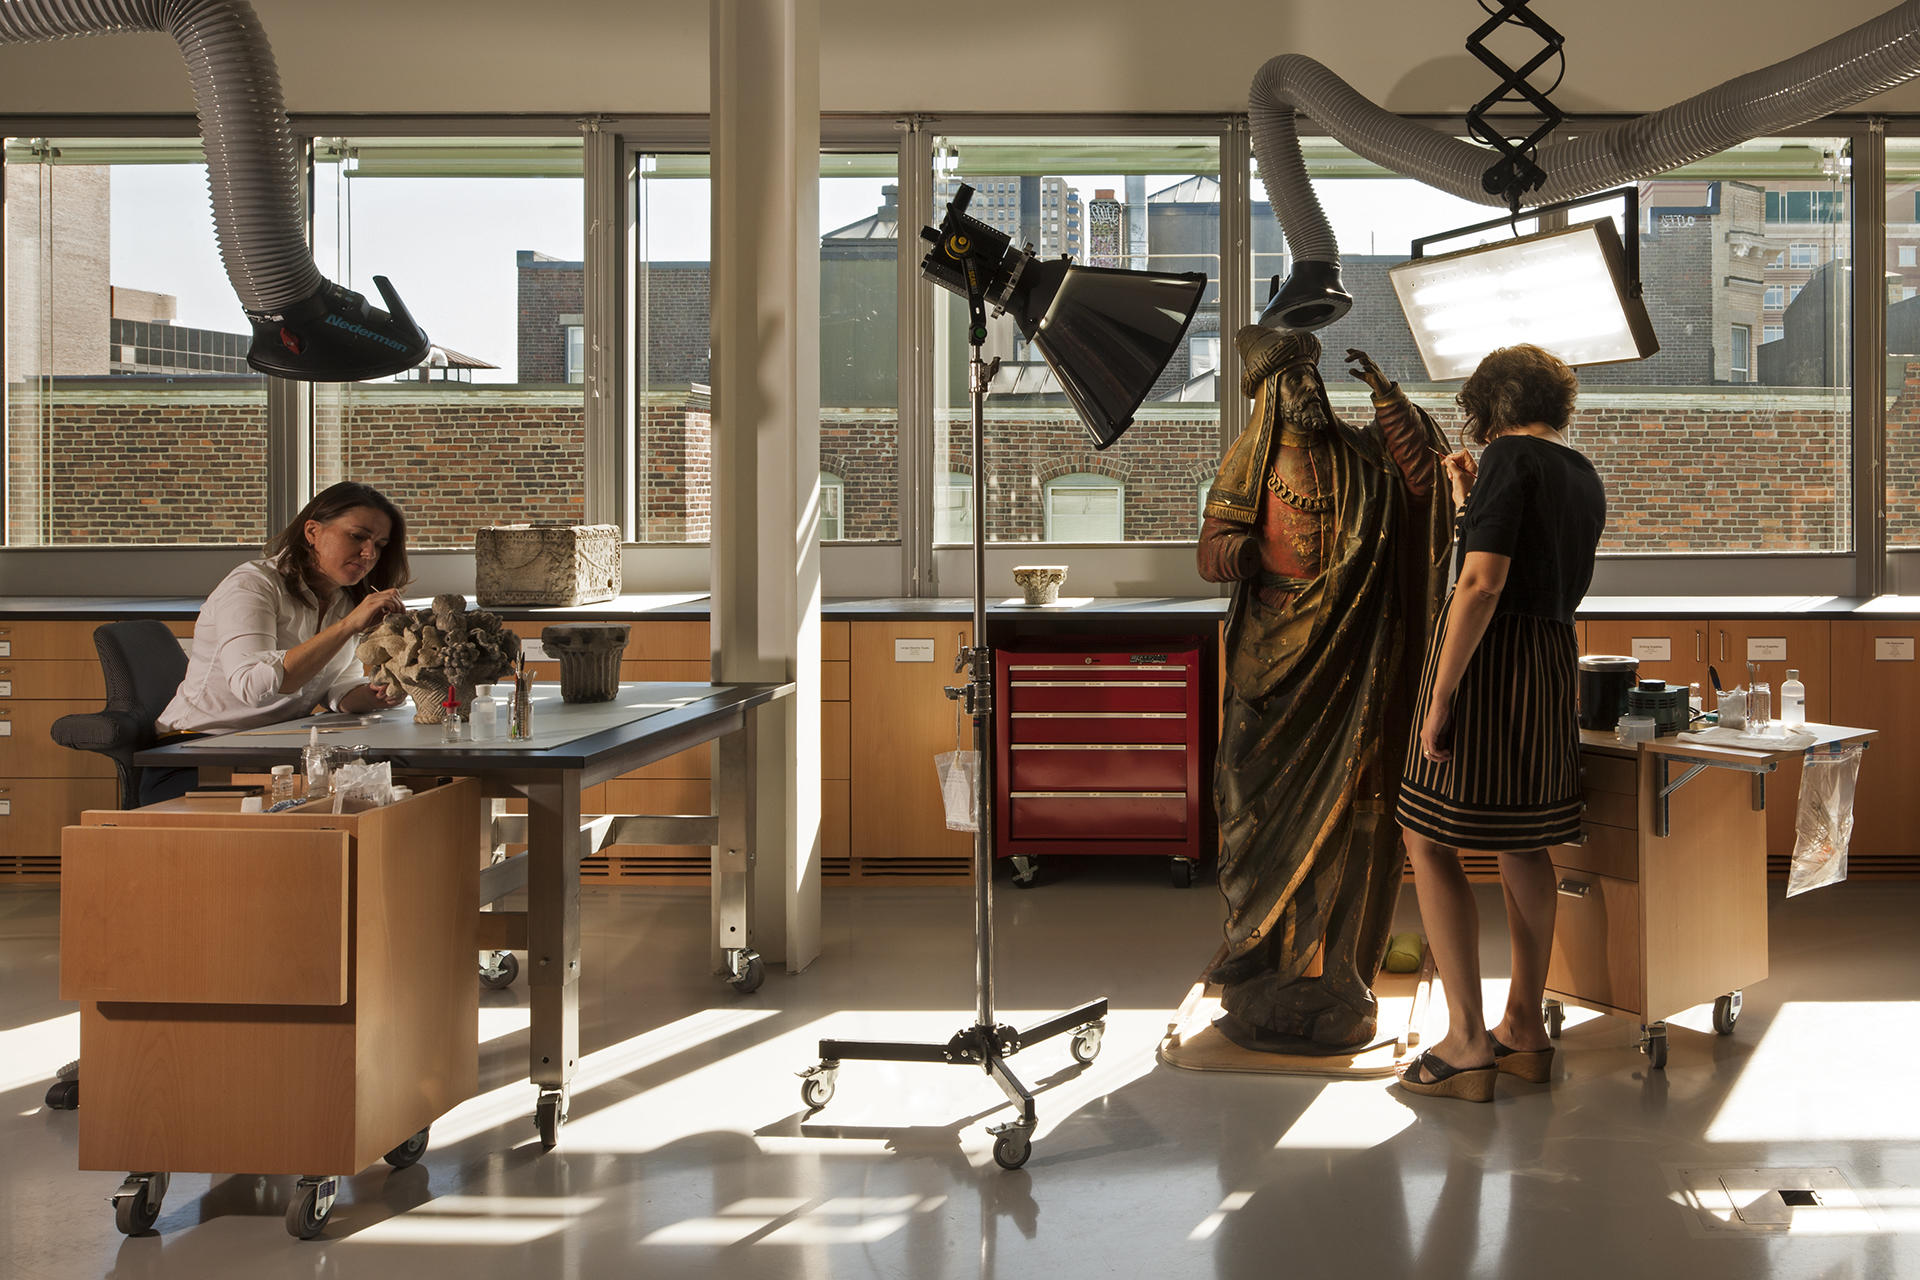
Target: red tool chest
{"points": [[1098, 751]]}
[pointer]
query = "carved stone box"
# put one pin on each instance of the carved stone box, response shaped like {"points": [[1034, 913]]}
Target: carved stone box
{"points": [[546, 564]]}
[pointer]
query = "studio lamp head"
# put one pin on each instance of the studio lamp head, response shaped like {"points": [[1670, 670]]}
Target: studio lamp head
{"points": [[1107, 334]]}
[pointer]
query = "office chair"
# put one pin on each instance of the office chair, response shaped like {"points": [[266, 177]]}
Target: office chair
{"points": [[143, 664]]}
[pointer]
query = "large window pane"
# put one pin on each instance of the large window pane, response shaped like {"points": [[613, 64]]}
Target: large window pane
{"points": [[859, 361], [1903, 342], [859, 342], [483, 240], [1736, 435], [131, 415], [1150, 203]]}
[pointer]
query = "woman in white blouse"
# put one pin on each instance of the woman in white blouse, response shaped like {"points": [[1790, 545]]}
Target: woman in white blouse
{"points": [[277, 636]]}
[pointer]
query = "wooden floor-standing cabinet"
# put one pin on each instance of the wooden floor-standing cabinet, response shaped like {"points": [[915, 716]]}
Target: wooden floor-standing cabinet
{"points": [[48, 669], [287, 993], [899, 832]]}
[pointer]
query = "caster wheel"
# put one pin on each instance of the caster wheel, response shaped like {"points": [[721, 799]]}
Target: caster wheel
{"points": [[408, 1153], [751, 977], [1012, 1147], [312, 1206], [1182, 873], [547, 1119], [817, 1090], [138, 1209], [1026, 871], [1086, 1043], [1726, 1012], [500, 976], [63, 1095], [1655, 1047], [1556, 1014]]}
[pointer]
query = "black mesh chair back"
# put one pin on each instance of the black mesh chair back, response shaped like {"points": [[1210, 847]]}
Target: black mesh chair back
{"points": [[143, 664]]}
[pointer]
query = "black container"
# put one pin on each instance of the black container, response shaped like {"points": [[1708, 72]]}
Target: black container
{"points": [[1668, 704], [1604, 682]]}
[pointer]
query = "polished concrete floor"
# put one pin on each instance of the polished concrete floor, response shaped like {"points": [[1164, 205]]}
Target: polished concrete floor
{"points": [[689, 1151]]}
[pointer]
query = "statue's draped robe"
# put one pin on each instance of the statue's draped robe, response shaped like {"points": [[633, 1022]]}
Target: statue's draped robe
{"points": [[1314, 724]]}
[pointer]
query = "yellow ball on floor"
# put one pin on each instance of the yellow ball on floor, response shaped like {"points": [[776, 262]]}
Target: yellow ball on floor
{"points": [[1404, 952]]}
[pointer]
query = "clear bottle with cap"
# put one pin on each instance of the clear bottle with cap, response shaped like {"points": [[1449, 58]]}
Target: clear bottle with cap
{"points": [[316, 764], [483, 717], [285, 785], [1793, 700]]}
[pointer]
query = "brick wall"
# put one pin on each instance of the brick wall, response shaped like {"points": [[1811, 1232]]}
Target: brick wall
{"points": [[1730, 470], [551, 292]]}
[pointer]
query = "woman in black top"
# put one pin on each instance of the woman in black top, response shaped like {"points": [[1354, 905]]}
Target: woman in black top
{"points": [[1494, 761]]}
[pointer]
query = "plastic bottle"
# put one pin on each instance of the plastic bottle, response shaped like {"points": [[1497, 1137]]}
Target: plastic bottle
{"points": [[483, 717], [1793, 700], [285, 785], [1694, 703], [314, 764]]}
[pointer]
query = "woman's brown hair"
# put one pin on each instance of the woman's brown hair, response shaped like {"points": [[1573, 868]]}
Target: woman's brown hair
{"points": [[1514, 386], [293, 555]]}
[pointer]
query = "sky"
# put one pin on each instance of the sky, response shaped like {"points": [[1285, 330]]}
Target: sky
{"points": [[448, 244]]}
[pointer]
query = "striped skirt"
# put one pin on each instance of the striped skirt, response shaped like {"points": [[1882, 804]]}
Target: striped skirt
{"points": [[1513, 783]]}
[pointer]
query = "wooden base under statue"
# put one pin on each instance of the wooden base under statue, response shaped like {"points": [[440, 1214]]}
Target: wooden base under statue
{"points": [[1194, 1043]]}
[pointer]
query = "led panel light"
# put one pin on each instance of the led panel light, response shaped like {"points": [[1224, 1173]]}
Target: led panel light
{"points": [[1565, 290]]}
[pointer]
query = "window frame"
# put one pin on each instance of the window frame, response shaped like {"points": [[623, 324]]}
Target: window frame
{"points": [[1078, 480], [142, 571]]}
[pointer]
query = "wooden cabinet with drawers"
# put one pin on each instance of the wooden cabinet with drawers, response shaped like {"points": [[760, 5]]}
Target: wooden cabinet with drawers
{"points": [[1649, 925], [48, 669], [1098, 751]]}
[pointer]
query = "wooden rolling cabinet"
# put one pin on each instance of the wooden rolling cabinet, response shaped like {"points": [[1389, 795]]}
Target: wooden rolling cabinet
{"points": [[1875, 681], [1098, 751], [899, 830], [270, 993], [1646, 925]]}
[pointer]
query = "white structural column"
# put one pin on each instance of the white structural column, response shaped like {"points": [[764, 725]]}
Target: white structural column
{"points": [[766, 434]]}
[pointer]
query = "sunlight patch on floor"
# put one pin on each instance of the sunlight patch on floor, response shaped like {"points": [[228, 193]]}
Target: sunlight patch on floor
{"points": [[1821, 1074]]}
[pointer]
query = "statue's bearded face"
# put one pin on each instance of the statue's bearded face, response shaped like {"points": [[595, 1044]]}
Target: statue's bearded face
{"points": [[1303, 399]]}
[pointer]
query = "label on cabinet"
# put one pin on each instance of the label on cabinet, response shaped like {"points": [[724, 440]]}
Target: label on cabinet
{"points": [[6, 688], [913, 651], [6, 728], [6, 648], [1766, 648], [6, 808], [1653, 648], [1893, 648]]}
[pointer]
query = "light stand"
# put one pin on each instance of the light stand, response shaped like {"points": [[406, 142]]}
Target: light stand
{"points": [[1108, 335]]}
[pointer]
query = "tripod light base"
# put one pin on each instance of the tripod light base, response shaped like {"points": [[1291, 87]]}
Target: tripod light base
{"points": [[987, 1048]]}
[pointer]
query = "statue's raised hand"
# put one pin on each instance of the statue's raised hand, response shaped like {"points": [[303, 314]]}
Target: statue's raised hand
{"points": [[1367, 371]]}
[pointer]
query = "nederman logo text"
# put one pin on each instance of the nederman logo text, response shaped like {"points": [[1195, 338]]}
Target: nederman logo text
{"points": [[361, 331]]}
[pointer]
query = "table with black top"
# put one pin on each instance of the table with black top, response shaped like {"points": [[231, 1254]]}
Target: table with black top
{"points": [[574, 746]]}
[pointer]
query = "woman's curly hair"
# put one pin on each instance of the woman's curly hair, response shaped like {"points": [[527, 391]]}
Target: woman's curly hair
{"points": [[1514, 386]]}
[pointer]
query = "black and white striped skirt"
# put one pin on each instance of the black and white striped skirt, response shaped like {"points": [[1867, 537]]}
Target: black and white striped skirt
{"points": [[1513, 783]]}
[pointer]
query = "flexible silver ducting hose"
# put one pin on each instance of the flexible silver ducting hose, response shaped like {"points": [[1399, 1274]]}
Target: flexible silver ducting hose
{"points": [[304, 326], [1871, 58]]}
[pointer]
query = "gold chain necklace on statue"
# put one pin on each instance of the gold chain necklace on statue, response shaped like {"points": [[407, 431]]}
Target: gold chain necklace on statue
{"points": [[1314, 503]]}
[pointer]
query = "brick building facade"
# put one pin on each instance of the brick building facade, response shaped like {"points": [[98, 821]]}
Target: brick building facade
{"points": [[1743, 469]]}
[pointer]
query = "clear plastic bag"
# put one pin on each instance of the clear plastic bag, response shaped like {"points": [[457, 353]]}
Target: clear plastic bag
{"points": [[959, 772], [959, 788], [1825, 822]]}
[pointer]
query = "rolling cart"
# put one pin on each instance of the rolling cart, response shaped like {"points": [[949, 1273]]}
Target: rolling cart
{"points": [[285, 993]]}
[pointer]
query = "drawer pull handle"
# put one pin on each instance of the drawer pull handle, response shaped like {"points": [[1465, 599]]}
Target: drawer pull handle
{"points": [[1098, 684], [1097, 746], [1097, 795], [1574, 888], [1099, 715]]}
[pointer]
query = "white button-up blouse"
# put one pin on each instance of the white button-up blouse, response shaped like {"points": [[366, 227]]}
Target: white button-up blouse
{"points": [[240, 644]]}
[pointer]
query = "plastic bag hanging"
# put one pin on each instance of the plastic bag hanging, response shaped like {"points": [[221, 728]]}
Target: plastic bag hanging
{"points": [[1824, 826], [959, 772]]}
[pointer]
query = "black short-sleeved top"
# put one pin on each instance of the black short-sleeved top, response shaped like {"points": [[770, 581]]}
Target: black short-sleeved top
{"points": [[1540, 504]]}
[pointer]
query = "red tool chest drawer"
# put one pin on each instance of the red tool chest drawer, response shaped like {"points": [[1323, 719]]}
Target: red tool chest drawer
{"points": [[1098, 751]]}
